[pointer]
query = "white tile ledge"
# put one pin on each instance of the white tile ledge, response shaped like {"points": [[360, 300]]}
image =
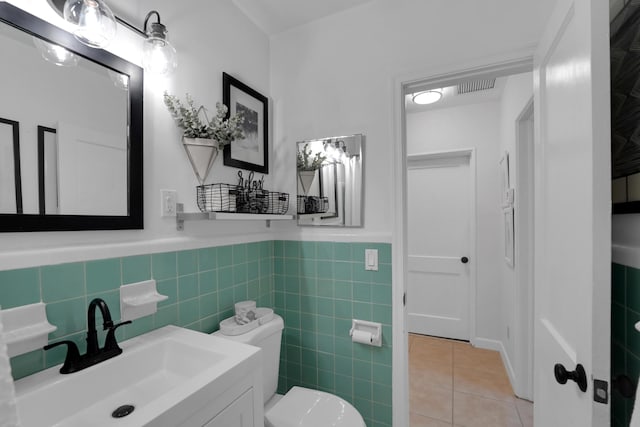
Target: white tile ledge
{"points": [[50, 256], [626, 255]]}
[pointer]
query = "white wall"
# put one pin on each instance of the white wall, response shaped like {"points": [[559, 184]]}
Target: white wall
{"points": [[330, 77], [335, 76], [472, 126], [210, 37], [517, 92]]}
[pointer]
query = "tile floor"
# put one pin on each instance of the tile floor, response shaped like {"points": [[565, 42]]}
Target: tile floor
{"points": [[455, 384]]}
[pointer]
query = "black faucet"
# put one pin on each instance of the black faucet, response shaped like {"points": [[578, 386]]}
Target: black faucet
{"points": [[92, 334], [74, 361]]}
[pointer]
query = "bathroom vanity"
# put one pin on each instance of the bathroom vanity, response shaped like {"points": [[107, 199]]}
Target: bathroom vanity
{"points": [[171, 376]]}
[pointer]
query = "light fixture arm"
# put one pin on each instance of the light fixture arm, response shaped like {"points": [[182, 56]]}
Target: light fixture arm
{"points": [[157, 29]]}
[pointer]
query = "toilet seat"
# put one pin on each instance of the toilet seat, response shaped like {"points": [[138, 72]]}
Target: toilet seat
{"points": [[303, 407]]}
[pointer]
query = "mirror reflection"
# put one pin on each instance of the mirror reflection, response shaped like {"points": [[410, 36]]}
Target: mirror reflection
{"points": [[330, 185], [73, 116]]}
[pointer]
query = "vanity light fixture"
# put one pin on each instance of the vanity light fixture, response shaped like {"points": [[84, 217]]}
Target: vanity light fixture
{"points": [[158, 55], [427, 96], [95, 24], [96, 27]]}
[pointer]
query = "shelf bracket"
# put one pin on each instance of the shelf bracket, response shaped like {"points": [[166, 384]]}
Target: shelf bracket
{"points": [[179, 217]]}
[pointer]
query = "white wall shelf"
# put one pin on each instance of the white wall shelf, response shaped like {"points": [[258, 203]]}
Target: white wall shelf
{"points": [[182, 216]]}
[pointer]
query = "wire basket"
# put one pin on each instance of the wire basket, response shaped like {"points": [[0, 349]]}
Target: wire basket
{"points": [[233, 198], [218, 197], [312, 204]]}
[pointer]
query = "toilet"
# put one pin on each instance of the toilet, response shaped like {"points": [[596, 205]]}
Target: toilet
{"points": [[300, 407]]}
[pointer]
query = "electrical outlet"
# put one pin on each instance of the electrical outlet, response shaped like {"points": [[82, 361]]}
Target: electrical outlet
{"points": [[168, 200]]}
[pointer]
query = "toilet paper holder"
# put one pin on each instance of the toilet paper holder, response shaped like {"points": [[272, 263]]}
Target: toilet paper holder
{"points": [[365, 332]]}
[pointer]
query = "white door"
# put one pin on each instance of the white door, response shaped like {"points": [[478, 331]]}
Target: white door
{"points": [[573, 218], [439, 189], [100, 156]]}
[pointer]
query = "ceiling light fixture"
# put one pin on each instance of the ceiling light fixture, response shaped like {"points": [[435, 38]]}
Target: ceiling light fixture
{"points": [[95, 24], [158, 55], [427, 97]]}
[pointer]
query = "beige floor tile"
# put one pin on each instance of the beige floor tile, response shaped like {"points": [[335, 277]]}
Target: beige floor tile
{"points": [[451, 381], [412, 338], [432, 372], [467, 356], [417, 420], [525, 410], [482, 383], [431, 401], [431, 353], [430, 344], [432, 357], [472, 411]]}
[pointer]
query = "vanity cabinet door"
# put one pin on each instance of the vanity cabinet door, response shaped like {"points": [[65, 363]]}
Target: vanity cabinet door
{"points": [[238, 414]]}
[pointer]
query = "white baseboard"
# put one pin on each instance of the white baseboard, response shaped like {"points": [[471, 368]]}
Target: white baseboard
{"points": [[497, 345]]}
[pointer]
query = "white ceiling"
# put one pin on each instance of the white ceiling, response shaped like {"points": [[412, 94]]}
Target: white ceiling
{"points": [[276, 16]]}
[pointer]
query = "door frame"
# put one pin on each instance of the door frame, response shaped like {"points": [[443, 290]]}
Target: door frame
{"points": [[445, 157], [524, 251], [513, 62]]}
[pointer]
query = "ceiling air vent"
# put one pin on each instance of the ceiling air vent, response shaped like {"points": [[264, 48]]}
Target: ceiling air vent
{"points": [[476, 86]]}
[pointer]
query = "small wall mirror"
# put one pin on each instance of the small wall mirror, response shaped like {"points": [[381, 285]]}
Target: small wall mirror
{"points": [[330, 184], [70, 131]]}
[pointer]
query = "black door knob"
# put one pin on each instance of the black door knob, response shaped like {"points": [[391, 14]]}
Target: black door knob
{"points": [[464, 259], [579, 375]]}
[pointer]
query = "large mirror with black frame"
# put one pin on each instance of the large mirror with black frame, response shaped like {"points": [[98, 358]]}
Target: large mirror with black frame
{"points": [[330, 185], [70, 131]]}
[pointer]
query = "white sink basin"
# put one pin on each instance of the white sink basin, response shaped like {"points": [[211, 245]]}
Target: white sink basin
{"points": [[164, 374]]}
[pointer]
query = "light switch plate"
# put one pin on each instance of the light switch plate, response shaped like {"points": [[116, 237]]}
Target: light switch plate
{"points": [[371, 259], [168, 200]]}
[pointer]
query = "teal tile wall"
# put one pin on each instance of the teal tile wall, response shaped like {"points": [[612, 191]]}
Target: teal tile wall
{"points": [[625, 340], [319, 288], [202, 286]]}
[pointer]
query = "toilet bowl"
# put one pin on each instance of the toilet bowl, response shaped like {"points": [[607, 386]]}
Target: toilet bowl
{"points": [[300, 407]]}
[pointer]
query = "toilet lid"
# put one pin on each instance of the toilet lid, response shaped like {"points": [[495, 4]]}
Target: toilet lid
{"points": [[303, 407]]}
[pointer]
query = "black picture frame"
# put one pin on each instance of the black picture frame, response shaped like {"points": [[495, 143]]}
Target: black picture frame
{"points": [[255, 106], [17, 175]]}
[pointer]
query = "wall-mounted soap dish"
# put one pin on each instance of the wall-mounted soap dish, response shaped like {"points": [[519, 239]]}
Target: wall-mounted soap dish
{"points": [[26, 328], [139, 300]]}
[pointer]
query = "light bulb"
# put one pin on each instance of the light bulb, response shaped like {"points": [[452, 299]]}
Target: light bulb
{"points": [[94, 21], [159, 57], [55, 54]]}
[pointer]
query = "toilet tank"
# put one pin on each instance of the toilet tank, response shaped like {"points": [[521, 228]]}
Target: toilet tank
{"points": [[267, 337]]}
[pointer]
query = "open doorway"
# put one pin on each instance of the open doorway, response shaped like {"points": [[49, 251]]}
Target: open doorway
{"points": [[489, 116]]}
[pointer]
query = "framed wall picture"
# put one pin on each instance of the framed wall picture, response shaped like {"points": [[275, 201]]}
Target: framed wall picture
{"points": [[252, 152], [508, 236], [504, 179]]}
